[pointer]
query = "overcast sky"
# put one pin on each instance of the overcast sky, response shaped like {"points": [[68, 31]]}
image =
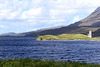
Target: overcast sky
{"points": [[29, 15]]}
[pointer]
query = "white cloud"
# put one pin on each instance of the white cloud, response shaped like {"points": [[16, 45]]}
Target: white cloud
{"points": [[78, 4], [90, 10], [76, 18], [35, 14], [34, 11], [31, 13], [56, 12], [2, 26], [59, 1], [15, 8]]}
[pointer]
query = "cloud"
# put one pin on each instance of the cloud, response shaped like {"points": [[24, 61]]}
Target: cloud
{"points": [[57, 12], [3, 26], [76, 18], [31, 13], [36, 14]]}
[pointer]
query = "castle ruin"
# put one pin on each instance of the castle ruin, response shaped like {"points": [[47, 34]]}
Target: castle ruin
{"points": [[90, 34]]}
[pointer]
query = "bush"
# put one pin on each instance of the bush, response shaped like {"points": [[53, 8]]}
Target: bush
{"points": [[27, 62]]}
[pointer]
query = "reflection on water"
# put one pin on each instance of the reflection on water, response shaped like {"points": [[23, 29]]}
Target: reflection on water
{"points": [[88, 51]]}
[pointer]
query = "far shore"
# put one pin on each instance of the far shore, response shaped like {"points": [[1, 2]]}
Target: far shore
{"points": [[66, 37], [67, 40]]}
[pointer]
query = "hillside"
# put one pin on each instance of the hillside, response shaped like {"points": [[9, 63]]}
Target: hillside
{"points": [[92, 22]]}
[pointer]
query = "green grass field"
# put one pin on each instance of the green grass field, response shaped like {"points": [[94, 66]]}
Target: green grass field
{"points": [[27, 62], [66, 37]]}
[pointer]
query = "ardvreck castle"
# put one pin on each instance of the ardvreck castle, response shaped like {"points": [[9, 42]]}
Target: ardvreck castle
{"points": [[90, 34]]}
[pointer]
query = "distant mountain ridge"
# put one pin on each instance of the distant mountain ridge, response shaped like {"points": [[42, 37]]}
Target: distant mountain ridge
{"points": [[26, 33], [11, 34]]}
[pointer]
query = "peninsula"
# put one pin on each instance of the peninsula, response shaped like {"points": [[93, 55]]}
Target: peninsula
{"points": [[66, 37]]}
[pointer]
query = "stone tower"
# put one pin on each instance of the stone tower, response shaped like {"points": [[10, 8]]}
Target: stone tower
{"points": [[90, 34]]}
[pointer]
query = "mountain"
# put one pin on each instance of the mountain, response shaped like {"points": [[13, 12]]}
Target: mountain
{"points": [[11, 34], [46, 31], [92, 22], [27, 33]]}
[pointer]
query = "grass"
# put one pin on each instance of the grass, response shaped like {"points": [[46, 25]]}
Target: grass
{"points": [[27, 62], [67, 37]]}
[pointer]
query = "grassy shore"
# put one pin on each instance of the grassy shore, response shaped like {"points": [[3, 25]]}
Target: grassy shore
{"points": [[27, 62], [66, 37]]}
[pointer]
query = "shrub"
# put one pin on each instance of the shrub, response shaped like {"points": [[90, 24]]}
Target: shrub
{"points": [[27, 62]]}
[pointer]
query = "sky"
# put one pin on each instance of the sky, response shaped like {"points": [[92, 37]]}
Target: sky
{"points": [[30, 15]]}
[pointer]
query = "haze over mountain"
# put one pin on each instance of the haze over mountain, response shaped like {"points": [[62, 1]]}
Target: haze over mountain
{"points": [[12, 34], [92, 22]]}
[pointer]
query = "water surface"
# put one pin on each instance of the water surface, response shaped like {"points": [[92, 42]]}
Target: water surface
{"points": [[22, 47]]}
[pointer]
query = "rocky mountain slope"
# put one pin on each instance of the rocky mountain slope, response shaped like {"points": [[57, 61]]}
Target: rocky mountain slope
{"points": [[92, 22]]}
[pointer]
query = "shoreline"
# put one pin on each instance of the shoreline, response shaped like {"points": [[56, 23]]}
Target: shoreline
{"points": [[66, 37], [67, 40]]}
